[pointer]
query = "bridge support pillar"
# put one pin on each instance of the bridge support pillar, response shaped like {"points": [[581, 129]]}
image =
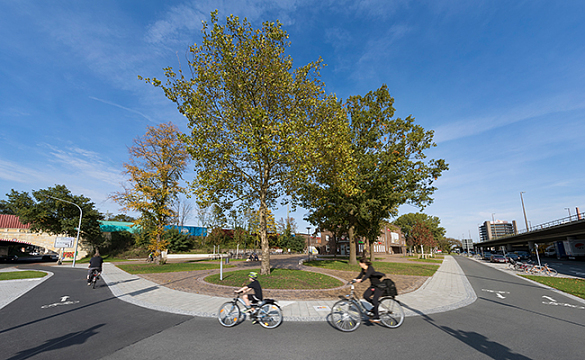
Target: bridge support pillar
{"points": [[531, 245], [509, 247]]}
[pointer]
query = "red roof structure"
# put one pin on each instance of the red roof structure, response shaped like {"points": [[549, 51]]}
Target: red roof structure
{"points": [[12, 222]]}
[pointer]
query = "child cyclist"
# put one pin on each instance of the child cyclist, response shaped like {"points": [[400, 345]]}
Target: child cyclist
{"points": [[252, 293]]}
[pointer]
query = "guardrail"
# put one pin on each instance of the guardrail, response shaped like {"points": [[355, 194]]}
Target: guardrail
{"points": [[563, 221]]}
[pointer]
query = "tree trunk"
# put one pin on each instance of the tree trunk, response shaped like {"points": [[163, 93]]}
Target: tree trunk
{"points": [[371, 250], [352, 247], [265, 267]]}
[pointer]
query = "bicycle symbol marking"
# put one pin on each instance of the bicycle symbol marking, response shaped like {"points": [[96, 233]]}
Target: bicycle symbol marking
{"points": [[553, 302], [64, 301]]}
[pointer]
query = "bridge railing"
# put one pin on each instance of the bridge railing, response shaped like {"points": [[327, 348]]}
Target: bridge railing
{"points": [[563, 221]]}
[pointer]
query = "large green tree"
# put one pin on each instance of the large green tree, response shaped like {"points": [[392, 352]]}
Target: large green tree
{"points": [[390, 168], [258, 125], [407, 222], [46, 212], [157, 161]]}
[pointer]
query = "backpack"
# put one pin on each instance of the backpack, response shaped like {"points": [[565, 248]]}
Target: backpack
{"points": [[388, 287]]}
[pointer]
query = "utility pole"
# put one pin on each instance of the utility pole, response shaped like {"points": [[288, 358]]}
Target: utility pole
{"points": [[524, 210]]}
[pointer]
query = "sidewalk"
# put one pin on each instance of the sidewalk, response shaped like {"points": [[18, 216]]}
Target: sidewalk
{"points": [[447, 290], [11, 290]]}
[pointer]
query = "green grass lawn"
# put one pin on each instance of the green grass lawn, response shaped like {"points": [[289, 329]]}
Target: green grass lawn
{"points": [[174, 267], [278, 279], [388, 268], [16, 275], [571, 286], [436, 261]]}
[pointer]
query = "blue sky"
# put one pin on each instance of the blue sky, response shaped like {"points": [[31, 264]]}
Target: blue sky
{"points": [[500, 82]]}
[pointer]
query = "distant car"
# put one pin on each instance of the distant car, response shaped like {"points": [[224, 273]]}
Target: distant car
{"points": [[498, 258], [550, 252], [487, 255], [514, 257]]}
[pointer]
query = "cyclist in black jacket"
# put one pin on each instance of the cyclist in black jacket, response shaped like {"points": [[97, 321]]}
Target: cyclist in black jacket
{"points": [[94, 264], [373, 293]]}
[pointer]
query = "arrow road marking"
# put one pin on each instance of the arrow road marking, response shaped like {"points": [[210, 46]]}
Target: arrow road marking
{"points": [[64, 301], [549, 298], [497, 292]]}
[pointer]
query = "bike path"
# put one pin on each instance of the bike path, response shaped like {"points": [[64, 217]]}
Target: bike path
{"points": [[447, 289]]}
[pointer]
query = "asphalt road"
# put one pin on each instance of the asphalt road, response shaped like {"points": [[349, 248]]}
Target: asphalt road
{"points": [[63, 318], [512, 319]]}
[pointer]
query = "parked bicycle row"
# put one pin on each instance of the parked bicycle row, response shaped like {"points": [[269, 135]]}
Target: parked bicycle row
{"points": [[532, 268]]}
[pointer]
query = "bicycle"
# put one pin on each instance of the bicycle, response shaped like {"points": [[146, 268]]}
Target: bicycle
{"points": [[95, 276], [543, 269], [267, 313], [347, 314]]}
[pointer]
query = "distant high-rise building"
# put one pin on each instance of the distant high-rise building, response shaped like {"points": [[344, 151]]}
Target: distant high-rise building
{"points": [[494, 229]]}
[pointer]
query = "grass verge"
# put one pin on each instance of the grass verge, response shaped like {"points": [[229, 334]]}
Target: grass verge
{"points": [[166, 268], [427, 260], [389, 268], [17, 275], [569, 285], [278, 279]]}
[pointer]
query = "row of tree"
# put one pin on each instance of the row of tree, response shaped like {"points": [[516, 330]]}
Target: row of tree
{"points": [[261, 130]]}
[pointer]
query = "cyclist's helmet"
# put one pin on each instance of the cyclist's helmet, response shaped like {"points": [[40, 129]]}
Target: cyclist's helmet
{"points": [[253, 275]]}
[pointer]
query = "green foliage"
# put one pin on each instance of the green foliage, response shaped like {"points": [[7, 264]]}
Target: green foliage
{"points": [[407, 222], [47, 214], [121, 217], [178, 242], [118, 242], [253, 117], [157, 162], [448, 244], [390, 169], [289, 241]]}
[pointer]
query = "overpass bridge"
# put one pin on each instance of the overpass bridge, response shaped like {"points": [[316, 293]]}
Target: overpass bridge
{"points": [[569, 228]]}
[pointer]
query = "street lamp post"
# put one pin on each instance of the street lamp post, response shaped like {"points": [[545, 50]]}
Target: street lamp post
{"points": [[78, 227], [308, 243], [524, 210], [493, 226], [569, 210]]}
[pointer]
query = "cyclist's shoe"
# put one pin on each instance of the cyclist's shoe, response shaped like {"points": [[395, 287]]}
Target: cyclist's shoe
{"points": [[255, 321], [248, 310], [89, 283], [377, 321]]}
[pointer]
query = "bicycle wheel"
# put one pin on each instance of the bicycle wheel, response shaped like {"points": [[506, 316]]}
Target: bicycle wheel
{"points": [[551, 272], [269, 316], [229, 314], [391, 313], [346, 315]]}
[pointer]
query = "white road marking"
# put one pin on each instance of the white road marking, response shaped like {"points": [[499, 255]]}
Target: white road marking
{"points": [[63, 302], [500, 296], [555, 303]]}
